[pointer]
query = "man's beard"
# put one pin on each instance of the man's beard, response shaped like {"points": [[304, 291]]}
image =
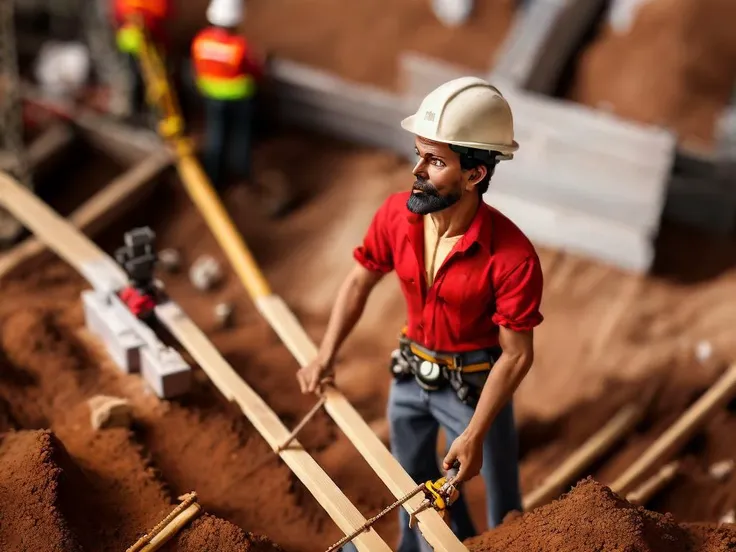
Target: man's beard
{"points": [[428, 200]]}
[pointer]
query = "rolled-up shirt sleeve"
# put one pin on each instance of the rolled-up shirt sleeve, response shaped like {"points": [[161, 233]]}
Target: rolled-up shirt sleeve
{"points": [[375, 254], [519, 297]]}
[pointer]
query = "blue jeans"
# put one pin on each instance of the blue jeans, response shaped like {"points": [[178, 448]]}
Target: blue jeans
{"points": [[227, 139], [415, 416]]}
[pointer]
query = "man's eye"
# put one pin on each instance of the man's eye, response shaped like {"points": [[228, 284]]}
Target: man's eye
{"points": [[437, 163]]}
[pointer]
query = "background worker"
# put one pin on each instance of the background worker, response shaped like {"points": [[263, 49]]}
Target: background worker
{"points": [[472, 282], [226, 73], [154, 14]]}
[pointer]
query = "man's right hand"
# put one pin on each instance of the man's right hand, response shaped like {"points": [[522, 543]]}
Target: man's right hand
{"points": [[312, 375]]}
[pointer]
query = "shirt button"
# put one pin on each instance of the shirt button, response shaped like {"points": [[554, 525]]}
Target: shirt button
{"points": [[411, 281]]}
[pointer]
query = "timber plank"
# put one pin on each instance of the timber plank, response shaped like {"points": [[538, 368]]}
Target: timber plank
{"points": [[285, 324], [120, 195]]}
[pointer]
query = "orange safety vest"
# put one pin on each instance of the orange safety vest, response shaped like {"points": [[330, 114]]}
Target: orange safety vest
{"points": [[153, 12], [220, 65]]}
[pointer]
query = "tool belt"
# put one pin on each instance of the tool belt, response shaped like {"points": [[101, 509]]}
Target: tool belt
{"points": [[465, 373]]}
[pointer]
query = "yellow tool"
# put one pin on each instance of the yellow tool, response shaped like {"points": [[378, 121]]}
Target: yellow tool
{"points": [[440, 495]]}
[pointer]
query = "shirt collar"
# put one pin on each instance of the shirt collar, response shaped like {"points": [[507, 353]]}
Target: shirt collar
{"points": [[479, 231]]}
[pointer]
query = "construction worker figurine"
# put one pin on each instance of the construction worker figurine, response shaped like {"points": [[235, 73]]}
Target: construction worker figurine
{"points": [[472, 282], [226, 73], [153, 14]]}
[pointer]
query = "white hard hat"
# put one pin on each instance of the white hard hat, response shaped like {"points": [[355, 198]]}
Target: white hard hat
{"points": [[466, 112], [225, 13], [453, 13], [62, 67]]}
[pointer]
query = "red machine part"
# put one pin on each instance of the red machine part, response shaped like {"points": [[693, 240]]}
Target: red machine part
{"points": [[140, 304]]}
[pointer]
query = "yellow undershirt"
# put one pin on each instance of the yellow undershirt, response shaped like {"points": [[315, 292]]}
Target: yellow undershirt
{"points": [[436, 248]]}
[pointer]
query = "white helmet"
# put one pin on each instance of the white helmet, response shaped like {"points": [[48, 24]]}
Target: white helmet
{"points": [[225, 13], [467, 112]]}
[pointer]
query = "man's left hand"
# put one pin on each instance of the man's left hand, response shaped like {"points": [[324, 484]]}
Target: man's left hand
{"points": [[468, 451]]}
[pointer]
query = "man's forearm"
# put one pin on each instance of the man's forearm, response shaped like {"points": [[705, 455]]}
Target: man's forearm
{"points": [[502, 382], [346, 312]]}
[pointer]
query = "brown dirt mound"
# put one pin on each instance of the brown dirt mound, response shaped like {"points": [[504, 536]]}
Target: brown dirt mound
{"points": [[30, 481], [675, 67], [592, 517], [50, 502]]}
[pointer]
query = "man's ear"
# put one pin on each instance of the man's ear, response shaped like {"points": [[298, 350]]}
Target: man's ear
{"points": [[476, 175]]}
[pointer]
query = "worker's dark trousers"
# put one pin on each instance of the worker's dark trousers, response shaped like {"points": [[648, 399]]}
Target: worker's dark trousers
{"points": [[227, 140], [138, 89], [415, 416]]}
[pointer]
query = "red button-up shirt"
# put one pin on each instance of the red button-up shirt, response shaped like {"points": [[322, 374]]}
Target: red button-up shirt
{"points": [[492, 277]]}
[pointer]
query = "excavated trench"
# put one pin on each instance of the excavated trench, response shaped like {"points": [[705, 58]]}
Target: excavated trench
{"points": [[608, 339]]}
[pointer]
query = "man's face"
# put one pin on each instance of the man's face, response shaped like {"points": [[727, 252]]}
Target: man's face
{"points": [[440, 181]]}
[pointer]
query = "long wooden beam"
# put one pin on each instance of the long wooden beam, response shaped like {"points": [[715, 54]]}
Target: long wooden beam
{"points": [[88, 259], [679, 432], [118, 196], [618, 426], [51, 141]]}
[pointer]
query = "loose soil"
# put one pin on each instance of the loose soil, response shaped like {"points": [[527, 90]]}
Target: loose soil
{"points": [[608, 338], [591, 517], [363, 42], [675, 67]]}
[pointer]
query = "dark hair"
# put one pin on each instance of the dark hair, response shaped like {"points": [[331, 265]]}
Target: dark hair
{"points": [[470, 158]]}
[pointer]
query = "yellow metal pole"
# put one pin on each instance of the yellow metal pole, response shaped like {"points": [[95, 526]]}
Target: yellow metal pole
{"points": [[195, 180], [200, 190]]}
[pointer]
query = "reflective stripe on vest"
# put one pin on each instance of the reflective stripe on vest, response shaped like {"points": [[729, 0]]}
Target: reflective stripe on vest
{"points": [[129, 39], [236, 88]]}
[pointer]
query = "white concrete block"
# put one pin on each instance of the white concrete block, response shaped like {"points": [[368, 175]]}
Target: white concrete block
{"points": [[166, 372], [121, 342]]}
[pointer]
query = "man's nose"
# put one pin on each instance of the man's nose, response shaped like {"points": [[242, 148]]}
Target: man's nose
{"points": [[420, 169]]}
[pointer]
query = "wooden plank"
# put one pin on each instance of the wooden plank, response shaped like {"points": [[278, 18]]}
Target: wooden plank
{"points": [[577, 232], [49, 144], [267, 423], [124, 143], [680, 432], [120, 195], [541, 42], [286, 325], [88, 259], [644, 493], [600, 442], [59, 235]]}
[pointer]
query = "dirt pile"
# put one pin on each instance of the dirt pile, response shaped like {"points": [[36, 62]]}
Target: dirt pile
{"points": [[592, 517], [674, 67], [49, 503], [31, 488]]}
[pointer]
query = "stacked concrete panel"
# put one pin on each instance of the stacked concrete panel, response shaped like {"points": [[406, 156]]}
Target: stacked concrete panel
{"points": [[541, 41]]}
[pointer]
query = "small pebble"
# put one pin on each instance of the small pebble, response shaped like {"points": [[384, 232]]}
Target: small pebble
{"points": [[170, 259], [109, 412], [728, 517], [224, 314], [721, 470], [703, 351], [205, 273]]}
